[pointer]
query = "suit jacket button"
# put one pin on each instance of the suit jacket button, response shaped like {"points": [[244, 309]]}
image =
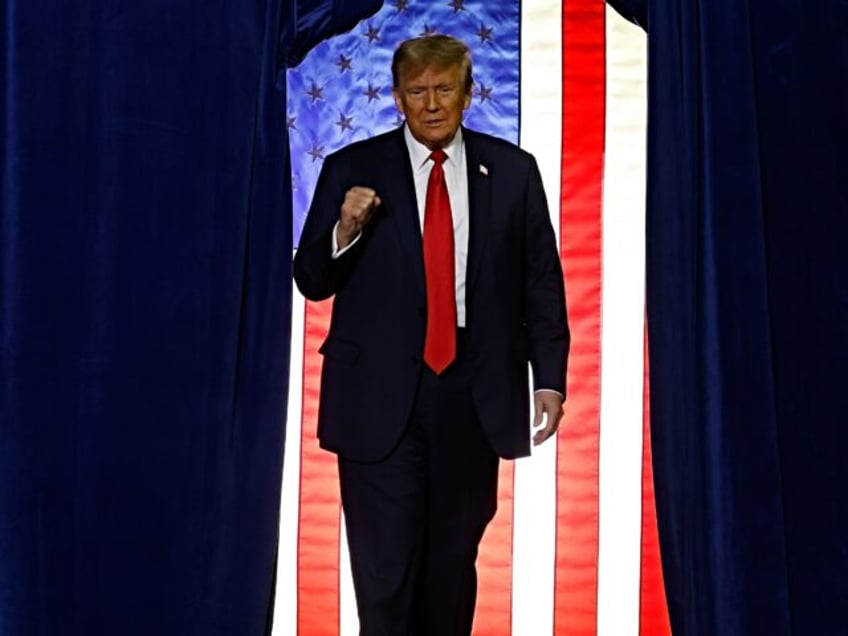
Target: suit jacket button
{"points": [[416, 360]]}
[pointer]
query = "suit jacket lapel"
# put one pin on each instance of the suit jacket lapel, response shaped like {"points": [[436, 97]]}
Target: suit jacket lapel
{"points": [[479, 206], [403, 204]]}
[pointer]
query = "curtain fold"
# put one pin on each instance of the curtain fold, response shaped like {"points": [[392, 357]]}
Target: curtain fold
{"points": [[145, 285]]}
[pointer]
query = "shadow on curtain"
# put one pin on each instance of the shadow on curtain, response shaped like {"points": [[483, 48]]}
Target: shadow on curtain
{"points": [[145, 257], [748, 310]]}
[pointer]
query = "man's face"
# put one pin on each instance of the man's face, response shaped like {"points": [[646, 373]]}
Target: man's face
{"points": [[432, 101]]}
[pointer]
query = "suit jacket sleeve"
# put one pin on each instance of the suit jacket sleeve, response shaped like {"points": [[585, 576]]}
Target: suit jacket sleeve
{"points": [[544, 302], [317, 274]]}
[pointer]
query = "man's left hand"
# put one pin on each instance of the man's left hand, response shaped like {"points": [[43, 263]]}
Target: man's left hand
{"points": [[546, 403]]}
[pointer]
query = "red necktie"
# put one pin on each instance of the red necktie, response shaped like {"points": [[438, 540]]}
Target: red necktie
{"points": [[440, 341]]}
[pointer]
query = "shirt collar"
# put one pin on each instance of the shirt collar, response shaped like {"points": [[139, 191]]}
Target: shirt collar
{"points": [[419, 154]]}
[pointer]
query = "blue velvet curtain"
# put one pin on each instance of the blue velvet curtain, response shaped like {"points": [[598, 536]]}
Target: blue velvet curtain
{"points": [[145, 254], [748, 310]]}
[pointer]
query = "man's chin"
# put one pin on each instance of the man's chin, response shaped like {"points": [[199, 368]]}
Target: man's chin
{"points": [[434, 137], [438, 139]]}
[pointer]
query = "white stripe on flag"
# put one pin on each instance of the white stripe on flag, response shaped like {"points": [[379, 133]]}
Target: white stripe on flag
{"points": [[285, 612], [623, 322], [534, 521], [348, 616]]}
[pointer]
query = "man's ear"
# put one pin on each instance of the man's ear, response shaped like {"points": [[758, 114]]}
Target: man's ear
{"points": [[467, 101], [398, 102]]}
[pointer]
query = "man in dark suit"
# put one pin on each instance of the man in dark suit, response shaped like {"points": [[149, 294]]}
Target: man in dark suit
{"points": [[437, 245]]}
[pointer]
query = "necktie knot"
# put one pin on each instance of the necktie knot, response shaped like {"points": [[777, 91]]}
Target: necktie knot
{"points": [[438, 156]]}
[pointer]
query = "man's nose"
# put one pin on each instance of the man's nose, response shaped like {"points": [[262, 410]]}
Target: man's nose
{"points": [[432, 100]]}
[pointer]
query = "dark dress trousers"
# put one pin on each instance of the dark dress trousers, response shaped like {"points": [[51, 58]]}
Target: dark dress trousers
{"points": [[515, 299]]}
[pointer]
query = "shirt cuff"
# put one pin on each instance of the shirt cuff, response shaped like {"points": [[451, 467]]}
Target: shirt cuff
{"points": [[336, 253], [549, 391]]}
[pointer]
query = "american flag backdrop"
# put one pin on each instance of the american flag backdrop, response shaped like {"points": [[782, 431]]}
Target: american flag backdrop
{"points": [[573, 548]]}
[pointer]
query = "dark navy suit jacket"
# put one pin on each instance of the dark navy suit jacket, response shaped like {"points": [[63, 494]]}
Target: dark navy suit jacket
{"points": [[515, 299]]}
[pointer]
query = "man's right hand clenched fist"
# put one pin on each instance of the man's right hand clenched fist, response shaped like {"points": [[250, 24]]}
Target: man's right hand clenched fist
{"points": [[359, 204]]}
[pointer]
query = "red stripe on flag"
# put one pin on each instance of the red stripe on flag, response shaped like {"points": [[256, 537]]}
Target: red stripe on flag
{"points": [[653, 608], [583, 94], [320, 508], [493, 616]]}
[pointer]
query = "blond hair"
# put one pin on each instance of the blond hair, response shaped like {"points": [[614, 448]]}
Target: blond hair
{"points": [[440, 51]]}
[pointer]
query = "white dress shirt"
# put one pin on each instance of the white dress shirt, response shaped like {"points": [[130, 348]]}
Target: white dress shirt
{"points": [[456, 179]]}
